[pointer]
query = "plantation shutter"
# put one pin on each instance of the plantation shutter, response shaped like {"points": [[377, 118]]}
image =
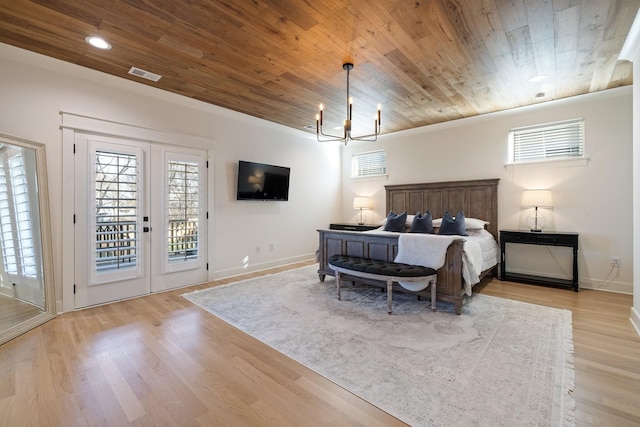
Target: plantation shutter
{"points": [[183, 210], [116, 205], [373, 163], [18, 252], [549, 141]]}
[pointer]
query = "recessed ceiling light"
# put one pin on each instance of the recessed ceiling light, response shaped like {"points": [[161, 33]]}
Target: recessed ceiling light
{"points": [[98, 42], [540, 95], [537, 78]]}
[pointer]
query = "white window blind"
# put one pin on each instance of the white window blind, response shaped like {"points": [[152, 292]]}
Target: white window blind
{"points": [[6, 225], [116, 205], [372, 163], [548, 141], [183, 210], [23, 215], [18, 250]]}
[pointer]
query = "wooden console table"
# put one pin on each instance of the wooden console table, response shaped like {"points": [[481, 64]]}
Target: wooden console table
{"points": [[353, 227], [546, 238]]}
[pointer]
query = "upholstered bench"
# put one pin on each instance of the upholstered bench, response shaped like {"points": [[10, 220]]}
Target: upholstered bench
{"points": [[384, 270]]}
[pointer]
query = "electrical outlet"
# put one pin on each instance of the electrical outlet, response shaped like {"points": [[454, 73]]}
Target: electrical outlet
{"points": [[271, 247], [257, 249], [615, 262]]}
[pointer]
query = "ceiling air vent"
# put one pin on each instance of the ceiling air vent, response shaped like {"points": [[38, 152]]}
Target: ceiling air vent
{"points": [[144, 74]]}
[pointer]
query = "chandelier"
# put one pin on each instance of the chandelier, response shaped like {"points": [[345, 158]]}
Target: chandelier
{"points": [[346, 137]]}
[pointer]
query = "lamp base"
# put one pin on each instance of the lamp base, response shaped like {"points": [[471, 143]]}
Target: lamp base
{"points": [[361, 217], [536, 222]]}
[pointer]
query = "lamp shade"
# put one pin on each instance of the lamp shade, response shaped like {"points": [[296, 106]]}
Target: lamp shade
{"points": [[361, 202], [536, 198]]}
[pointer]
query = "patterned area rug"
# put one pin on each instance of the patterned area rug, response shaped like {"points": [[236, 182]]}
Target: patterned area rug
{"points": [[500, 363]]}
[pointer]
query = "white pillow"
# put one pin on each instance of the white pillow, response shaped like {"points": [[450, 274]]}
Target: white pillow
{"points": [[469, 223]]}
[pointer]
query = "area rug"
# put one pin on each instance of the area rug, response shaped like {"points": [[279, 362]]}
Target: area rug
{"points": [[500, 363]]}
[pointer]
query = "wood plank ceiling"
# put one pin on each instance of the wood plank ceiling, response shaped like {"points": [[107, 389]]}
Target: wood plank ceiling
{"points": [[425, 61]]}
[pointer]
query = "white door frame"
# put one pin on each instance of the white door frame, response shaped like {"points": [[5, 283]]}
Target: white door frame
{"points": [[72, 123]]}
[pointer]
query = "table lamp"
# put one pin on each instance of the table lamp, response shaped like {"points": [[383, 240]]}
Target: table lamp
{"points": [[361, 202], [536, 199]]}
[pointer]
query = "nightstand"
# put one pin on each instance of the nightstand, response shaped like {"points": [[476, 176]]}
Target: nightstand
{"points": [[353, 227], [546, 238]]}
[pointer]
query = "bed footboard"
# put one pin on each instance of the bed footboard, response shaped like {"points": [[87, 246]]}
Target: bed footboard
{"points": [[385, 248]]}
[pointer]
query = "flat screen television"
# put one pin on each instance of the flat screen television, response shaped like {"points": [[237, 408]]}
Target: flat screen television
{"points": [[259, 181]]}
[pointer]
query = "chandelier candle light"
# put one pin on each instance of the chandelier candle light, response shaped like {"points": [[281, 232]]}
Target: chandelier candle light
{"points": [[346, 137], [536, 199]]}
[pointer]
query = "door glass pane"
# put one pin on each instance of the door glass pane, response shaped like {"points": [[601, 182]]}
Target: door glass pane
{"points": [[15, 218], [183, 210], [116, 207], [6, 225], [23, 215]]}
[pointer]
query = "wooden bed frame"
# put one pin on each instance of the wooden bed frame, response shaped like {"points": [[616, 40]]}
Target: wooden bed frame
{"points": [[476, 198]]}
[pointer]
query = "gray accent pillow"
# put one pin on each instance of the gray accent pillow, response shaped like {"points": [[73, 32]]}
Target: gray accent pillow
{"points": [[422, 223], [395, 222], [453, 226]]}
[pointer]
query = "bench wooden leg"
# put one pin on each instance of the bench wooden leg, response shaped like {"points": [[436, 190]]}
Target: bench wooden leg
{"points": [[338, 283], [433, 295], [389, 294]]}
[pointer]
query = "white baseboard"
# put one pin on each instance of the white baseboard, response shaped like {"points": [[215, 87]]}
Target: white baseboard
{"points": [[608, 286], [251, 268], [588, 283]]}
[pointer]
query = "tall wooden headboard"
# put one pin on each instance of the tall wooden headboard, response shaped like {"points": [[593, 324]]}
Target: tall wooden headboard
{"points": [[476, 199]]}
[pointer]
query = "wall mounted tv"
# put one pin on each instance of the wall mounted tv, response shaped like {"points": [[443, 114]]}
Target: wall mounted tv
{"points": [[259, 181]]}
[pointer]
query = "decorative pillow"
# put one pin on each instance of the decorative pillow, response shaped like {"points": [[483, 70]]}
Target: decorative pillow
{"points": [[470, 223], [451, 226], [422, 223], [395, 222], [407, 222]]}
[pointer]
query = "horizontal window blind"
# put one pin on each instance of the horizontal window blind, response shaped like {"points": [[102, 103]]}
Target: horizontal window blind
{"points": [[116, 205], [548, 141], [372, 163], [183, 210]]}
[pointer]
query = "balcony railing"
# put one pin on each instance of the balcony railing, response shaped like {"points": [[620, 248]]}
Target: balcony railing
{"points": [[116, 243]]}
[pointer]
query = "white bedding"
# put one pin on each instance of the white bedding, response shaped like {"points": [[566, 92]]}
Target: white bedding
{"points": [[480, 252]]}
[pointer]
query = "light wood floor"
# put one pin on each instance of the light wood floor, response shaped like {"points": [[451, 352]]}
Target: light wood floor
{"points": [[14, 312], [159, 360]]}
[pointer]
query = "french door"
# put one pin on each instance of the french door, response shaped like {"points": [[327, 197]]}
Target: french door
{"points": [[140, 214]]}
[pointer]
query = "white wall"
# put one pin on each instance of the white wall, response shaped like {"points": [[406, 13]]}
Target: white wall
{"points": [[631, 52], [35, 89], [593, 199]]}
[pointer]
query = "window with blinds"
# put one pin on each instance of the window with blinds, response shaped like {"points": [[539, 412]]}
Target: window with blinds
{"points": [[372, 163], [6, 224], [183, 210], [116, 204], [16, 224], [548, 141]]}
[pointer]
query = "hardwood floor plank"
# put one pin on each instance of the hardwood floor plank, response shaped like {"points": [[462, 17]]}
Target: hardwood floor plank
{"points": [[160, 360], [606, 349]]}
